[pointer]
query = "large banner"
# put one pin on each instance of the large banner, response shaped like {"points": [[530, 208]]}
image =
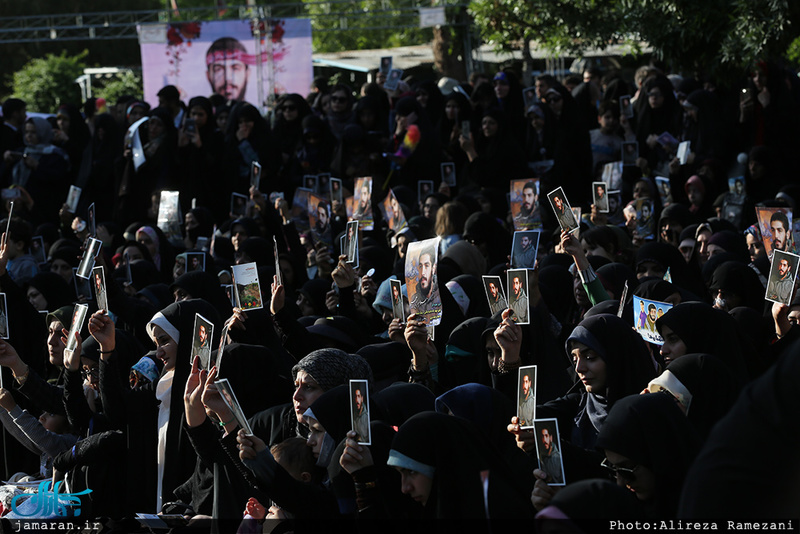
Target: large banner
{"points": [[201, 58]]}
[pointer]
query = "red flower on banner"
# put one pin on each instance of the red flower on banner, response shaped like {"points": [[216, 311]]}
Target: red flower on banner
{"points": [[179, 38], [174, 36], [277, 31]]}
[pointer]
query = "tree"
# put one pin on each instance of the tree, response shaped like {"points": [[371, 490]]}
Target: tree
{"points": [[721, 37], [126, 83], [48, 82]]}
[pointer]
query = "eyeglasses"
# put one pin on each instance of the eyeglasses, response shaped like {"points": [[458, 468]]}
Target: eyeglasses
{"points": [[94, 373], [338, 99], [625, 473]]}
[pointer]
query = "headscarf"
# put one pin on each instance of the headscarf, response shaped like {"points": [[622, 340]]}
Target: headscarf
{"points": [[739, 278], [21, 172], [629, 367], [53, 288], [331, 367], [653, 432], [153, 235], [578, 506]]}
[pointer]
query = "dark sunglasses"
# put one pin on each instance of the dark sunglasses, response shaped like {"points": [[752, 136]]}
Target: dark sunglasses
{"points": [[625, 473]]}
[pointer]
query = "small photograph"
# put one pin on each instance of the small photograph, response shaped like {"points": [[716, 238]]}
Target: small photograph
{"points": [[99, 278], [548, 441], [37, 249], [275, 195], [683, 152], [645, 314], [466, 129], [255, 175], [238, 205], [393, 79], [363, 202], [87, 260], [336, 190], [449, 173], [526, 396], [359, 411], [625, 107], [91, 220], [529, 97], [319, 218], [422, 283], [386, 64], [576, 212], [83, 289], [566, 219], [736, 186], [277, 257], [248, 288], [78, 317], [202, 340], [351, 242], [524, 202], [300, 209], [203, 243], [73, 197], [229, 397], [645, 222], [615, 215], [310, 182], [195, 261], [776, 229], [393, 212], [424, 188], [398, 307], [668, 141], [494, 294], [664, 190], [782, 276], [323, 183], [4, 331], [518, 295], [524, 248], [169, 219], [612, 175], [599, 196], [630, 152]]}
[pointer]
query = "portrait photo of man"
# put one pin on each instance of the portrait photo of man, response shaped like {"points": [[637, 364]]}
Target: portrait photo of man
{"points": [[227, 68], [526, 396], [201, 344], [600, 197], [426, 298], [782, 277], [528, 215], [547, 443], [781, 232], [524, 249], [364, 206], [398, 308], [100, 288], [564, 216], [494, 294], [359, 403], [351, 242], [518, 289]]}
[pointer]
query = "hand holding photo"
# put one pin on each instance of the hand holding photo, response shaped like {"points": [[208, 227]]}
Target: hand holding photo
{"points": [[548, 441], [229, 397], [518, 295], [73, 197], [625, 107], [393, 79], [524, 202], [398, 306], [99, 277], [448, 171], [4, 330], [238, 205], [645, 314], [421, 280], [351, 242], [363, 202], [78, 317], [494, 294], [87, 260], [683, 152], [599, 196], [247, 288], [782, 276], [526, 396], [277, 261], [255, 175], [776, 229], [202, 340], [524, 249]]}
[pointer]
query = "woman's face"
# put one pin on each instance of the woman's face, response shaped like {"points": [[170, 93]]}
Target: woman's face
{"points": [[325, 104], [655, 98], [639, 479], [415, 485], [755, 247], [429, 208], [166, 348], [673, 347], [306, 309], [316, 436], [155, 127], [199, 115], [62, 268], [36, 299], [63, 123], [595, 250], [556, 103], [306, 391], [451, 110], [238, 235], [31, 137], [339, 102], [489, 127], [649, 268], [55, 347], [222, 121], [590, 367], [695, 195], [641, 190], [290, 111], [422, 98], [501, 88], [144, 239], [136, 114], [179, 268]]}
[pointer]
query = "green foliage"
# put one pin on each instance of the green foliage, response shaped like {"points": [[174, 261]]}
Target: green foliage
{"points": [[793, 52], [714, 36], [126, 83], [46, 83], [360, 18]]}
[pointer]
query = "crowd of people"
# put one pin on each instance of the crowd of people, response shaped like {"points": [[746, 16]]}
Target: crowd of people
{"points": [[699, 427]]}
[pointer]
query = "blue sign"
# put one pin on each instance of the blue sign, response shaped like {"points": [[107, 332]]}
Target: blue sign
{"points": [[46, 503]]}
